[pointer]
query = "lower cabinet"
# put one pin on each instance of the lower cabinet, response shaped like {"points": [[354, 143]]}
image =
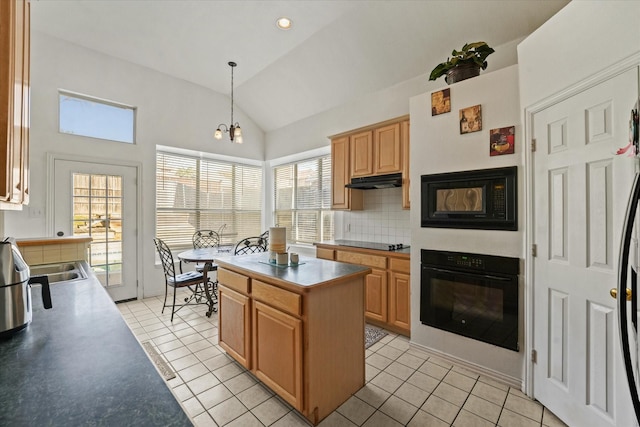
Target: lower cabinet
{"points": [[387, 289], [306, 346], [277, 352], [234, 325], [375, 295]]}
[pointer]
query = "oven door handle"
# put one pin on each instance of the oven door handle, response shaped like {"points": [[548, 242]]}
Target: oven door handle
{"points": [[484, 276]]}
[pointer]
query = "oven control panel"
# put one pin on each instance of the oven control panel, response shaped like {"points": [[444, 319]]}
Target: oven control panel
{"points": [[465, 261]]}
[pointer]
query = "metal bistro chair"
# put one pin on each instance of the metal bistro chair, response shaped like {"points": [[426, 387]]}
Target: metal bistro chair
{"points": [[252, 245], [192, 280], [207, 239]]}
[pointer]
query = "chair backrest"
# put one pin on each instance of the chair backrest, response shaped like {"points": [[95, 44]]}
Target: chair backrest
{"points": [[166, 257], [205, 239], [251, 245]]}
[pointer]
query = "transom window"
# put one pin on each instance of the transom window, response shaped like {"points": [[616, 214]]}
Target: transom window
{"points": [[194, 193], [96, 118], [302, 199]]}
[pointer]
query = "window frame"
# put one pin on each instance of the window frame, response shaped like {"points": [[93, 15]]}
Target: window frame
{"points": [[101, 101], [227, 238]]}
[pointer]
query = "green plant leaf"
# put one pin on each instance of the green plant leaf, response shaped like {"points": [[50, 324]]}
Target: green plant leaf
{"points": [[471, 53]]}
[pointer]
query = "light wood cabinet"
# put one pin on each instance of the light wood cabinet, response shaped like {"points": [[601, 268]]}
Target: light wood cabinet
{"points": [[387, 153], [342, 197], [375, 295], [387, 292], [406, 181], [289, 349], [15, 103], [234, 324], [277, 352], [361, 153]]}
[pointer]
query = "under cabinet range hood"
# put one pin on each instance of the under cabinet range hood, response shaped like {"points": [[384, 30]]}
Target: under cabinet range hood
{"points": [[377, 181]]}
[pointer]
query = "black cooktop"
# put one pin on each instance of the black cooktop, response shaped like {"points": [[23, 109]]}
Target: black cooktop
{"points": [[372, 245]]}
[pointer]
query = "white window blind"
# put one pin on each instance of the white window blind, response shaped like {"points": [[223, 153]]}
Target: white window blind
{"points": [[302, 200], [194, 193]]}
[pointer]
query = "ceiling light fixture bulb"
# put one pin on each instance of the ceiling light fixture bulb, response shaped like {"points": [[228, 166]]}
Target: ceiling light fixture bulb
{"points": [[284, 23], [218, 134]]}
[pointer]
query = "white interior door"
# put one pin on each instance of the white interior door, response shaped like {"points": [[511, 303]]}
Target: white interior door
{"points": [[580, 195], [100, 201]]}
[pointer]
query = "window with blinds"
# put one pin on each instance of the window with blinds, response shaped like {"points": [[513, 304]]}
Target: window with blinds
{"points": [[302, 200], [194, 193]]}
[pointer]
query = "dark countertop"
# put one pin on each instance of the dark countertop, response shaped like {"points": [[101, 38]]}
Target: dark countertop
{"points": [[371, 246], [309, 273], [79, 364]]}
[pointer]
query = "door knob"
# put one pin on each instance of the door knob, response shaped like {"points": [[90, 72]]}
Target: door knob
{"points": [[614, 293]]}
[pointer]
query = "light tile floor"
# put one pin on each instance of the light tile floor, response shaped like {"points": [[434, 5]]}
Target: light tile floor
{"points": [[404, 386]]}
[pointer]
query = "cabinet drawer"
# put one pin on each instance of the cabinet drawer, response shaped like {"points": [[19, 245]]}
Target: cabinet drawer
{"points": [[325, 253], [362, 259], [400, 265], [234, 281], [278, 298]]}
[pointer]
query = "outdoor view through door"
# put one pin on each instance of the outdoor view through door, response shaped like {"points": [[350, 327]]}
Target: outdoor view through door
{"points": [[97, 213]]}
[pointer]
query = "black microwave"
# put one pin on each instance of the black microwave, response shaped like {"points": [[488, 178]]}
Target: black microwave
{"points": [[483, 199]]}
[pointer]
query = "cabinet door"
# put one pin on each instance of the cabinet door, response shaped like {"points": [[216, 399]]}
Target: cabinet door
{"points": [[277, 352], [361, 153], [387, 150], [14, 101], [375, 295], [342, 197], [234, 333], [404, 137], [399, 300]]}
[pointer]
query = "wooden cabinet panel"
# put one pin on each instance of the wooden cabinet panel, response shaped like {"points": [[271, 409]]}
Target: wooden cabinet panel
{"points": [[278, 298], [369, 260], [342, 197], [375, 295], [387, 152], [399, 300], [400, 265], [14, 101], [406, 181], [361, 145], [277, 352], [234, 323], [232, 280], [324, 253]]}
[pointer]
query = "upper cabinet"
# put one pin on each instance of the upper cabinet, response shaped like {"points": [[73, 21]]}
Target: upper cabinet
{"points": [[387, 149], [378, 149], [15, 103], [342, 197], [404, 137]]}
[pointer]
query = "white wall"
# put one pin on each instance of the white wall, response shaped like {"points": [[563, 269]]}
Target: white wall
{"points": [[170, 112], [581, 39], [437, 146]]}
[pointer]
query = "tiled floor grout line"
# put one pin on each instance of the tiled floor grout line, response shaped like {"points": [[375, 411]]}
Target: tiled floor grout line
{"points": [[149, 325]]}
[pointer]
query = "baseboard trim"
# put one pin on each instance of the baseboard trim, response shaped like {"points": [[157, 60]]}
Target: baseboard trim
{"points": [[480, 370]]}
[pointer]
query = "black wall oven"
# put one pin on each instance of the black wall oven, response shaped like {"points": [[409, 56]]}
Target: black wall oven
{"points": [[473, 295]]}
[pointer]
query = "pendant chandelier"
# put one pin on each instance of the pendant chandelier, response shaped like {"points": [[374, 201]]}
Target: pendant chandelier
{"points": [[235, 133]]}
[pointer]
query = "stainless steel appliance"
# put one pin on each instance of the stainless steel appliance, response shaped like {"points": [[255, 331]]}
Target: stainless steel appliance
{"points": [[473, 295], [15, 289], [483, 199]]}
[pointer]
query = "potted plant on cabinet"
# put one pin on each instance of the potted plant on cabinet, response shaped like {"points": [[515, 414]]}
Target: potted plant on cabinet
{"points": [[464, 63]]}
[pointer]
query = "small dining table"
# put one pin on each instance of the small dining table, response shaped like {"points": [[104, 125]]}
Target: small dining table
{"points": [[207, 257]]}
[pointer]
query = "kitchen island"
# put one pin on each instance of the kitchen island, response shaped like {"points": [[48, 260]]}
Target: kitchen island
{"points": [[79, 364], [299, 329]]}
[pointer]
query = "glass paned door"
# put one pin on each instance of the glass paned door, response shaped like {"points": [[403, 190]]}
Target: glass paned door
{"points": [[100, 201], [97, 213]]}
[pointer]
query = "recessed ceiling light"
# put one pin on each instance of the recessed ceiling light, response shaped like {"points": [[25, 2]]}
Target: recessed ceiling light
{"points": [[284, 23]]}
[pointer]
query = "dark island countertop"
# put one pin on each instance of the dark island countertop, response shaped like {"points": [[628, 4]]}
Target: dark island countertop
{"points": [[309, 273], [79, 364]]}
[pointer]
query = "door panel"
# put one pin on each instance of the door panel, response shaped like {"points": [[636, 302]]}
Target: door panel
{"points": [[580, 191], [100, 201]]}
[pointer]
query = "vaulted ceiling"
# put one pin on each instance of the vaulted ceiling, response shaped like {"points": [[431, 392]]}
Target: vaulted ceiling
{"points": [[336, 51]]}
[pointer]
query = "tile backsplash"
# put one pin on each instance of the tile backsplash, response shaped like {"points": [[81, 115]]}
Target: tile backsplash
{"points": [[382, 220]]}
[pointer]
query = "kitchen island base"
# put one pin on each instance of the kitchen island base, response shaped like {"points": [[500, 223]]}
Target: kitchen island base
{"points": [[300, 332]]}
